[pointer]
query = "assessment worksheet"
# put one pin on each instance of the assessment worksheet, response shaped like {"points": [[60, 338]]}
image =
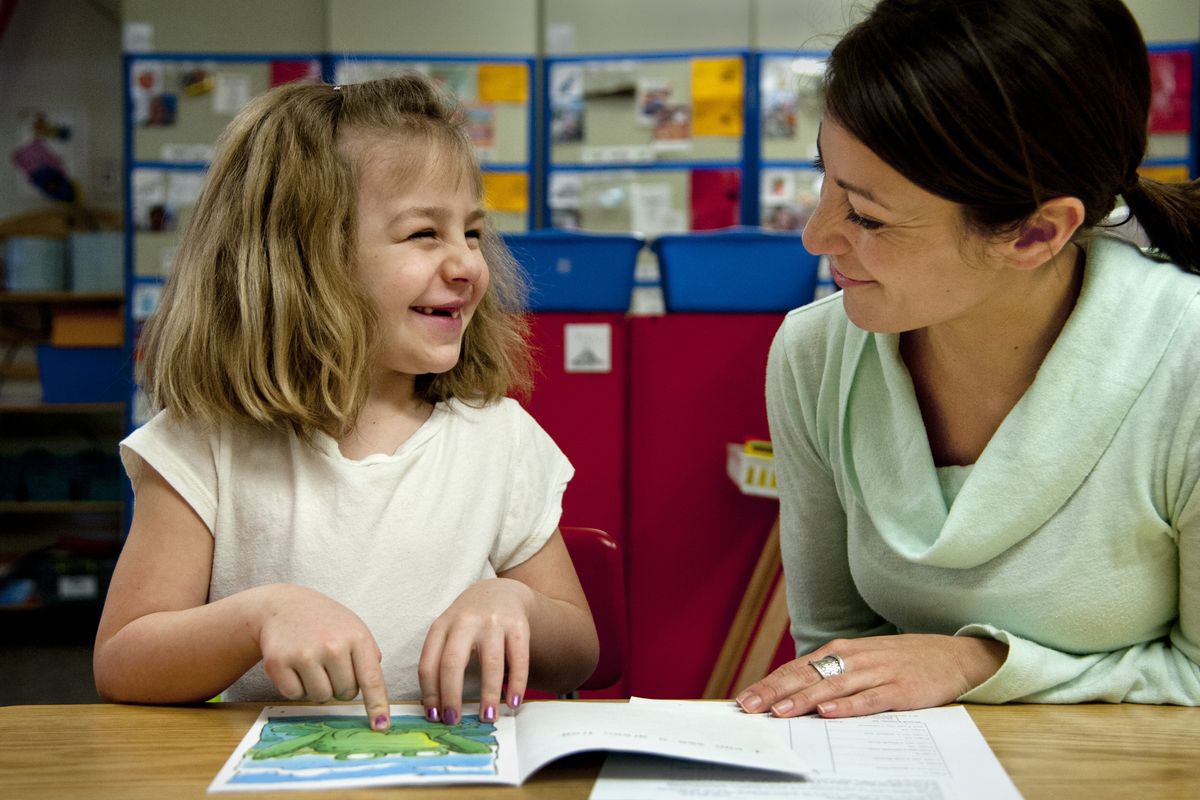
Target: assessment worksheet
{"points": [[907, 755]]}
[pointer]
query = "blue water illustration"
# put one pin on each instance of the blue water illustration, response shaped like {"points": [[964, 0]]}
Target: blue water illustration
{"points": [[313, 749]]}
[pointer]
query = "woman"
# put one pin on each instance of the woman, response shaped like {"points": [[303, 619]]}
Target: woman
{"points": [[987, 444]]}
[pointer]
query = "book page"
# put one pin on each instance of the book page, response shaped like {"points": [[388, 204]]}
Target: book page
{"points": [[910, 755], [550, 730]]}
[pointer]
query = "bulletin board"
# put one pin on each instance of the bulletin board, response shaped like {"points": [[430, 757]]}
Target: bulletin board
{"points": [[496, 93], [647, 142], [177, 105], [790, 105], [789, 116]]}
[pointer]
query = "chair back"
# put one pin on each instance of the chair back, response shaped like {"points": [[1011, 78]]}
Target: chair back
{"points": [[598, 562]]}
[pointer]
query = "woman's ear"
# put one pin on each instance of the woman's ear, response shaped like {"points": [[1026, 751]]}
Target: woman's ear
{"points": [[1045, 232]]}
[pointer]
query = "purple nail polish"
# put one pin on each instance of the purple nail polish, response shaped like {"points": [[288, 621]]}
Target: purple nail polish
{"points": [[381, 723], [515, 700], [489, 714], [451, 716], [432, 714]]}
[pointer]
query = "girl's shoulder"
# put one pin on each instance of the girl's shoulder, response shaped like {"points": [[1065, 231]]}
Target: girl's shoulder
{"points": [[503, 411], [503, 422]]}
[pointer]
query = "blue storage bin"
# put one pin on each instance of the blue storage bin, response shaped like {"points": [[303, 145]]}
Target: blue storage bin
{"points": [[82, 374], [735, 270], [97, 262], [574, 271], [35, 264], [46, 477], [96, 475]]}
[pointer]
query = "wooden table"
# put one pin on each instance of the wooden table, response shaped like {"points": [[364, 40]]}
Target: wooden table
{"points": [[131, 752]]}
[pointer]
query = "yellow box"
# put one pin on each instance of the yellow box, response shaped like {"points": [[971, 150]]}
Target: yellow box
{"points": [[87, 327]]}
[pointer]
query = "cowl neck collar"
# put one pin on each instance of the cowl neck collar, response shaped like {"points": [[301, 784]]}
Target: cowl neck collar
{"points": [[1129, 307]]}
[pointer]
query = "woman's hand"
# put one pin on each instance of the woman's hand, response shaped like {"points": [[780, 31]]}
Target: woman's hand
{"points": [[489, 620], [314, 648], [882, 673]]}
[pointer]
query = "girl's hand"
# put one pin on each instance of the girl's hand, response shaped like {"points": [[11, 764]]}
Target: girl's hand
{"points": [[882, 673], [489, 620], [314, 648]]}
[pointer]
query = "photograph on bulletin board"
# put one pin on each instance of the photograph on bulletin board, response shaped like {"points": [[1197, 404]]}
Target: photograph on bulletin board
{"points": [[161, 196], [292, 71], [788, 198], [566, 103], [1171, 91], [154, 101]]}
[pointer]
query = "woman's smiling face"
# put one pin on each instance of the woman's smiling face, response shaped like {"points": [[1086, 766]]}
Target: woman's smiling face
{"points": [[903, 257]]}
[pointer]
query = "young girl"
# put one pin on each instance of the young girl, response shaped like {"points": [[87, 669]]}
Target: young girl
{"points": [[337, 497]]}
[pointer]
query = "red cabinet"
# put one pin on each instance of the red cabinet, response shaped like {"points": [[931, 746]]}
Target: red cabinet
{"points": [[696, 383]]}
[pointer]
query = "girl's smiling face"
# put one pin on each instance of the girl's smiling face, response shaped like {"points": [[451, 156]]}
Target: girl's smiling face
{"points": [[418, 232], [899, 253]]}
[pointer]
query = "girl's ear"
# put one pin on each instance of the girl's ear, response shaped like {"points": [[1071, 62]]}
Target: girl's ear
{"points": [[1045, 232]]}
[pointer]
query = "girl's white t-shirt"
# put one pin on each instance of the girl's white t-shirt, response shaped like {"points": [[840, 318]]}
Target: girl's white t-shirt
{"points": [[396, 538]]}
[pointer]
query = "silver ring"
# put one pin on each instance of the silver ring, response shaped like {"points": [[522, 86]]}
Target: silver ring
{"points": [[829, 666]]}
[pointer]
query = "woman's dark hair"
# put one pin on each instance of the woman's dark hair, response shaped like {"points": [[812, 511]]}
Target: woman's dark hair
{"points": [[998, 105]]}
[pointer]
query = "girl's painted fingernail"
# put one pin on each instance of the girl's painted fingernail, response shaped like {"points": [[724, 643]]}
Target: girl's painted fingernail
{"points": [[826, 708], [782, 707], [432, 713], [381, 723], [514, 701], [489, 714], [451, 716]]}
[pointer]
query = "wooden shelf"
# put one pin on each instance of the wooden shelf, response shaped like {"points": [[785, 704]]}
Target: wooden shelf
{"points": [[61, 408], [60, 506], [18, 298], [20, 372]]}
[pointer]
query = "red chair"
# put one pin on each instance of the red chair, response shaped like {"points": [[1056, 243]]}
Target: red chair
{"points": [[597, 560]]}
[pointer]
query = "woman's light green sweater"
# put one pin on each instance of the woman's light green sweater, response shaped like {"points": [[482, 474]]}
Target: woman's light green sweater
{"points": [[1075, 537]]}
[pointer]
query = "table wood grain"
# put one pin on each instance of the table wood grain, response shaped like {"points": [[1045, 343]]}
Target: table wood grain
{"points": [[1089, 752]]}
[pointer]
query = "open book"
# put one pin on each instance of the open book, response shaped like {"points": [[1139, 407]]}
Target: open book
{"points": [[328, 747]]}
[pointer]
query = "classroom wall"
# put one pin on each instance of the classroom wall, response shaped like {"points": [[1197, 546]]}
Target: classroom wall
{"points": [[63, 57], [231, 26], [470, 27], [1167, 21], [585, 26], [66, 54]]}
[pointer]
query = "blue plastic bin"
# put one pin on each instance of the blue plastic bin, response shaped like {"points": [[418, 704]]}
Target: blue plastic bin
{"points": [[735, 270], [82, 374], [97, 262], [35, 264], [574, 271]]}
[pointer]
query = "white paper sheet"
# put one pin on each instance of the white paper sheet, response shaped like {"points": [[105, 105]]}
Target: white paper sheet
{"points": [[910, 755]]}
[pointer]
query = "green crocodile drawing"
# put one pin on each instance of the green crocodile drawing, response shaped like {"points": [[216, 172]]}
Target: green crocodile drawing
{"points": [[345, 738]]}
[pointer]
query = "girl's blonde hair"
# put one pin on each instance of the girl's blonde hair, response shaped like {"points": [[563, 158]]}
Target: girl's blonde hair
{"points": [[262, 318]]}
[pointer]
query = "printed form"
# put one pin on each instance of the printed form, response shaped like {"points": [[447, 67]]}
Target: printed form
{"points": [[909, 755]]}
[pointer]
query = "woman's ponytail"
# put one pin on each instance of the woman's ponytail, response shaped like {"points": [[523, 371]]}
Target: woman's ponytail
{"points": [[1169, 213]]}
